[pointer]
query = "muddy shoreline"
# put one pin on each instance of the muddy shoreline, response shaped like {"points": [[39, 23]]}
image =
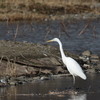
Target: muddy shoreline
{"points": [[22, 62]]}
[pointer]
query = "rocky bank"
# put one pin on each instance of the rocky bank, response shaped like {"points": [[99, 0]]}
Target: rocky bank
{"points": [[22, 62]]}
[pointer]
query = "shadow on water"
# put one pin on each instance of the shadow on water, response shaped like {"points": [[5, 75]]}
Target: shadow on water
{"points": [[84, 90]]}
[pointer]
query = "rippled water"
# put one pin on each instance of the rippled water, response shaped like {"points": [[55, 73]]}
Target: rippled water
{"points": [[86, 90], [39, 33]]}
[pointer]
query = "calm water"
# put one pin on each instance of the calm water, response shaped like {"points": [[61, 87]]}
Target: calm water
{"points": [[87, 90], [39, 33]]}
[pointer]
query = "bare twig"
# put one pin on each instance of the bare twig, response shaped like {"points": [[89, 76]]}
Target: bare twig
{"points": [[7, 23], [89, 88], [31, 27], [21, 30], [94, 32], [59, 34], [65, 32], [12, 30], [64, 26], [64, 29], [88, 22], [47, 34], [1, 59], [16, 32]]}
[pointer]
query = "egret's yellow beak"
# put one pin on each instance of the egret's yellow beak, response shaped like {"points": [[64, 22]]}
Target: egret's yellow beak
{"points": [[49, 41]]}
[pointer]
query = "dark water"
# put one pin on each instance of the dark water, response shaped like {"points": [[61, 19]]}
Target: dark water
{"points": [[87, 90], [39, 33]]}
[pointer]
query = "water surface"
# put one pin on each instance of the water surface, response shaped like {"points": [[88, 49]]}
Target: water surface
{"points": [[69, 35], [86, 90]]}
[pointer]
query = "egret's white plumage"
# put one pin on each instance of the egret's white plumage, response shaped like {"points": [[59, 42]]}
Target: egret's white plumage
{"points": [[72, 66]]}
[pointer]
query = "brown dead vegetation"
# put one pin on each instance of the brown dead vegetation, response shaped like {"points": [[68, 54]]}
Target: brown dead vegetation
{"points": [[41, 9]]}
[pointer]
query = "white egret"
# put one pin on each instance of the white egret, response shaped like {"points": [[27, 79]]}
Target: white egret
{"points": [[72, 66]]}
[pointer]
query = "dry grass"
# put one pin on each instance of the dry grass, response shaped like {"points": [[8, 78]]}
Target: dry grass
{"points": [[11, 69], [66, 2], [7, 68], [41, 9]]}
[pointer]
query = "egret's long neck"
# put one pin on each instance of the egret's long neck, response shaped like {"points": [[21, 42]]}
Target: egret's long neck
{"points": [[61, 49]]}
